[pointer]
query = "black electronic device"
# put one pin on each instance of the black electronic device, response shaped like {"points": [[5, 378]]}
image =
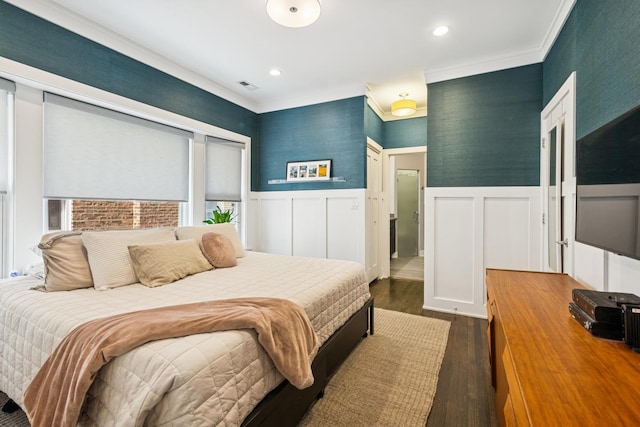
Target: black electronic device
{"points": [[597, 329], [604, 307], [608, 182], [632, 326]]}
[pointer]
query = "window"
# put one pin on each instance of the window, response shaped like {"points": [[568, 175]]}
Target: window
{"points": [[7, 90], [108, 170], [83, 215], [225, 178]]}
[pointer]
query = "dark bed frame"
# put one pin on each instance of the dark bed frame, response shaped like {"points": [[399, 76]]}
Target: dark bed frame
{"points": [[286, 405]]}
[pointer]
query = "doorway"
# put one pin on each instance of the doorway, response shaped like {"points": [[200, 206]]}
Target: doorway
{"points": [[557, 179], [408, 158], [372, 230], [409, 172]]}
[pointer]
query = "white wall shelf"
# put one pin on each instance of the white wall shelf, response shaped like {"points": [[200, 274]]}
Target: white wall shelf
{"points": [[284, 181]]}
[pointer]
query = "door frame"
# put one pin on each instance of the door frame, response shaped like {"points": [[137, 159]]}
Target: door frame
{"points": [[384, 261], [374, 272], [560, 109]]}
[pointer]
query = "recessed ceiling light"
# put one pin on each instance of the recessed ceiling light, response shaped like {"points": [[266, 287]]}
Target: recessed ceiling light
{"points": [[275, 72], [441, 31]]}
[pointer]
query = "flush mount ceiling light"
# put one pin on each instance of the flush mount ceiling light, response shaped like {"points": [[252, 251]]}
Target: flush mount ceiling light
{"points": [[294, 13], [441, 31], [403, 107]]}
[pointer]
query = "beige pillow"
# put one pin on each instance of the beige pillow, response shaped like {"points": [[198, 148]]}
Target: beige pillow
{"points": [[66, 266], [108, 253], [218, 250], [158, 264], [196, 232]]}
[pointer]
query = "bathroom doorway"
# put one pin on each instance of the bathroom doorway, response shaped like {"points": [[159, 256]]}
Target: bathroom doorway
{"points": [[407, 172]]}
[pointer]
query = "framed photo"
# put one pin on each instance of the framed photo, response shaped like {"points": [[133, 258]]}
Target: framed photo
{"points": [[312, 170]]}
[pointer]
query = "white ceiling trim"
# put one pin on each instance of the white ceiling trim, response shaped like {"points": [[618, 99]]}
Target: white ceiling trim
{"points": [[62, 17], [558, 22], [49, 82], [320, 96], [491, 65]]}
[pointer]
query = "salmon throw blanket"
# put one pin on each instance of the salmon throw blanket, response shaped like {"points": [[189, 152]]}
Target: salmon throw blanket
{"points": [[56, 394]]}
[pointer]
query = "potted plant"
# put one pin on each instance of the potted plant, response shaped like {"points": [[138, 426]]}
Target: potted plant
{"points": [[220, 216]]}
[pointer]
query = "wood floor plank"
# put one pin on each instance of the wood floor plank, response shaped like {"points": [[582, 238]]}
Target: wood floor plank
{"points": [[464, 396]]}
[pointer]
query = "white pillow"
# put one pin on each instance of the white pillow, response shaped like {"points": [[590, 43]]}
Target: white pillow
{"points": [[227, 229], [109, 257]]}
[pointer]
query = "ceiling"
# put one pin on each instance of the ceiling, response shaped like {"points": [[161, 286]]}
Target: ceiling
{"points": [[374, 47]]}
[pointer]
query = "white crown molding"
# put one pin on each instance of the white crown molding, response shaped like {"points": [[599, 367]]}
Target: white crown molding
{"points": [[319, 96], [372, 102], [466, 70], [61, 16], [45, 81], [99, 34], [556, 26]]}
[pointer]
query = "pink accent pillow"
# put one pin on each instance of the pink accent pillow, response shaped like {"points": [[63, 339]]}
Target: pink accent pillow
{"points": [[218, 249]]}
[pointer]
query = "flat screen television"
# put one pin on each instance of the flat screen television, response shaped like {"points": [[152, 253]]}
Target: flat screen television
{"points": [[608, 186]]}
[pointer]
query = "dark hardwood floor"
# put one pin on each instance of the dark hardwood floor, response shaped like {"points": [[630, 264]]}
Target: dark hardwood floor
{"points": [[464, 396]]}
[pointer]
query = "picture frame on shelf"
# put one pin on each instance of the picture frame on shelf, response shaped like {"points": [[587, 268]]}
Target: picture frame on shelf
{"points": [[311, 170]]}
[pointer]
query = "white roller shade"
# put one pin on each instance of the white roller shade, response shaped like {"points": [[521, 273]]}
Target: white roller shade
{"points": [[6, 87], [92, 152], [223, 170]]}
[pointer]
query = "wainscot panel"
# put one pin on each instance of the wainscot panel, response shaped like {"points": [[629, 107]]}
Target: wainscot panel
{"points": [[321, 224], [275, 226], [469, 229], [309, 227]]}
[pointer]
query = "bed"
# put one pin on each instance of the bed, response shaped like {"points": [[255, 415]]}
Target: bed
{"points": [[219, 378]]}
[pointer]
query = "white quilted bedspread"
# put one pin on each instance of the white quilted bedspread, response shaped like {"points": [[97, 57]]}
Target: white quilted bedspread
{"points": [[199, 380]]}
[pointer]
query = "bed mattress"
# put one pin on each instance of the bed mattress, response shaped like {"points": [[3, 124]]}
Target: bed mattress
{"points": [[206, 379]]}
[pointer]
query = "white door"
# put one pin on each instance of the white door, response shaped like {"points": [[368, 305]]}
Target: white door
{"points": [[558, 180], [374, 172]]}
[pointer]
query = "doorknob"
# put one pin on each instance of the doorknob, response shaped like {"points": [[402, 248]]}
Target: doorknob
{"points": [[564, 242]]}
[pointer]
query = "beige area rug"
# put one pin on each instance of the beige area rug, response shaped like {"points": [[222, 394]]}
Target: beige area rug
{"points": [[389, 380], [391, 377]]}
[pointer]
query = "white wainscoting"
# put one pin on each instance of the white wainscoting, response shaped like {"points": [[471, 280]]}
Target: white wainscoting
{"points": [[606, 271], [470, 229], [321, 224]]}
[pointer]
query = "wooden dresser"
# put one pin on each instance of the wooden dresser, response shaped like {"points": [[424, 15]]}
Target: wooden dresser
{"points": [[546, 368]]}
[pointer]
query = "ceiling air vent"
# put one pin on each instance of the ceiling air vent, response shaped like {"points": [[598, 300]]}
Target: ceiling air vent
{"points": [[247, 85]]}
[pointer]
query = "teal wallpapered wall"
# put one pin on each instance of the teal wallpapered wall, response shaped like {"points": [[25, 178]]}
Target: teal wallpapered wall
{"points": [[607, 61], [332, 130], [561, 59], [484, 129], [601, 42], [405, 133], [373, 125]]}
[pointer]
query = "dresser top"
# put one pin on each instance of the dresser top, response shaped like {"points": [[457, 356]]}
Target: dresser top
{"points": [[566, 375]]}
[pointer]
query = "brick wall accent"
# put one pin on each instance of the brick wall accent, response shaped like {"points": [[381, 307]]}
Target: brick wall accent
{"points": [[120, 215]]}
